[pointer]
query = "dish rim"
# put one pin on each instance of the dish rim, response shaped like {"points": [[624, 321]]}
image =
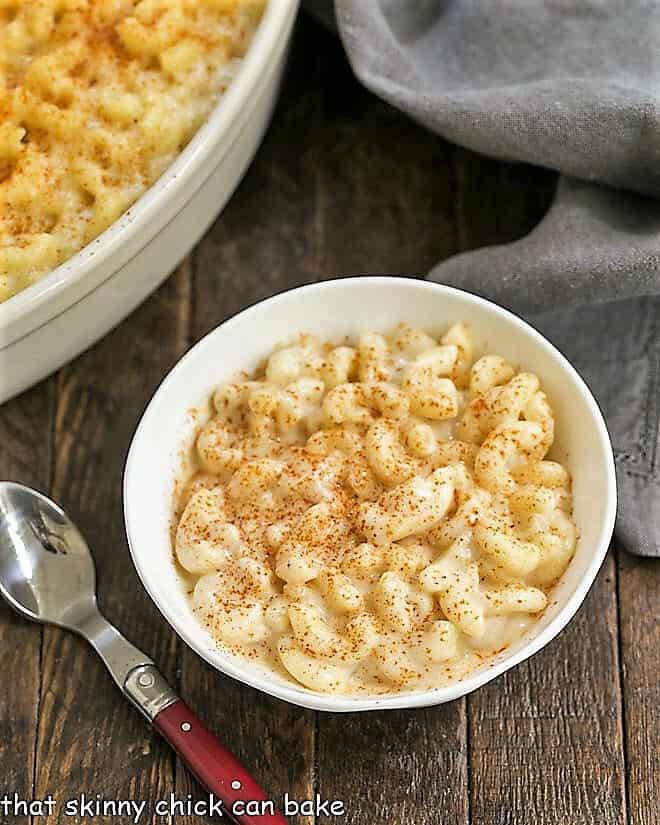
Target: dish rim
{"points": [[423, 698], [142, 216]]}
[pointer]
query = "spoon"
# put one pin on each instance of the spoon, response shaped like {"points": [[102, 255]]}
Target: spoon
{"points": [[47, 574]]}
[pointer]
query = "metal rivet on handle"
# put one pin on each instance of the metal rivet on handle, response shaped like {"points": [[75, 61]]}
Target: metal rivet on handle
{"points": [[186, 726], [146, 680], [236, 785]]}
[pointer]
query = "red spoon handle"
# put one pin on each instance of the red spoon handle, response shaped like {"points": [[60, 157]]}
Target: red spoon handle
{"points": [[215, 767]]}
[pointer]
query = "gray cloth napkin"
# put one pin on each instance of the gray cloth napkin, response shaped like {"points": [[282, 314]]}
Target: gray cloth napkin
{"points": [[573, 85]]}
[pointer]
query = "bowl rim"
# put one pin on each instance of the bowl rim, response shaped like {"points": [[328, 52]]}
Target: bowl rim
{"points": [[172, 183], [330, 702]]}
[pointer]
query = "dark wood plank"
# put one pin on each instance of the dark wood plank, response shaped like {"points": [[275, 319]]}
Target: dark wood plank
{"points": [[269, 237], [90, 739], [26, 427], [388, 207], [546, 739], [499, 202], [387, 186], [267, 240], [639, 597], [396, 767]]}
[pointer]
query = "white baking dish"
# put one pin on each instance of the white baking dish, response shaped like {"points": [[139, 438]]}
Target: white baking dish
{"points": [[46, 325]]}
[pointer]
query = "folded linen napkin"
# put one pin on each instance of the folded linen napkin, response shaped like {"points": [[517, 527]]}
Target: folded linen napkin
{"points": [[573, 85]]}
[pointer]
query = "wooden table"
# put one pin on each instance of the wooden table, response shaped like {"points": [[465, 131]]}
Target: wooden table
{"points": [[342, 185]]}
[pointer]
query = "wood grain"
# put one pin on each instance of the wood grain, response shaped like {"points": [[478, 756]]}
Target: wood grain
{"points": [[388, 206], [90, 739], [546, 739], [269, 237], [499, 202], [639, 597], [386, 187], [26, 427]]}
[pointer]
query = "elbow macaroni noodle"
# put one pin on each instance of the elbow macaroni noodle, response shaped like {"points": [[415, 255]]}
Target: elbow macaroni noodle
{"points": [[375, 518], [96, 100]]}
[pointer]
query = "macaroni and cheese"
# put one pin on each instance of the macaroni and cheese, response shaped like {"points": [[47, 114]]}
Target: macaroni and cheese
{"points": [[96, 100], [377, 516]]}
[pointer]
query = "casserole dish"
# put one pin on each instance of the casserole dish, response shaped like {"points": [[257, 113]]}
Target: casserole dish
{"points": [[73, 306]]}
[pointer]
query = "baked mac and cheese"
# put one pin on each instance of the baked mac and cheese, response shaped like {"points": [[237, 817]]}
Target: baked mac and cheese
{"points": [[377, 516], [97, 97]]}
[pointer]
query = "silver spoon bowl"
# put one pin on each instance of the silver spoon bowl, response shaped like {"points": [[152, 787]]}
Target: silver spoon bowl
{"points": [[47, 574]]}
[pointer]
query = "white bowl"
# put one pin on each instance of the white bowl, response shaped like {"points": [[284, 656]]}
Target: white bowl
{"points": [[331, 310], [65, 312]]}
